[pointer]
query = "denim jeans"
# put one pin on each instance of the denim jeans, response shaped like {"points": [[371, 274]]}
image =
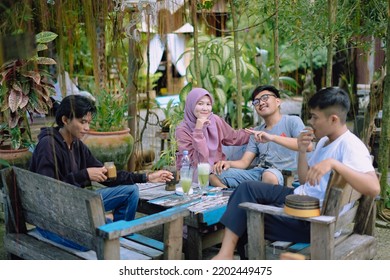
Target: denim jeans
{"points": [[122, 200], [234, 176]]}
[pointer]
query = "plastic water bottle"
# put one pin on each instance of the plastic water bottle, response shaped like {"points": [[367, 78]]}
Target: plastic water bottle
{"points": [[185, 161]]}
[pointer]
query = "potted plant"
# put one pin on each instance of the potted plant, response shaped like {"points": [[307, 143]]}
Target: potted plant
{"points": [[109, 138], [25, 90], [168, 112], [175, 114]]}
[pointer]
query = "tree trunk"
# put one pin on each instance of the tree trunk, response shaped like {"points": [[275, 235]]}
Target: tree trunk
{"points": [[101, 42], [61, 48], [90, 24], [237, 62], [196, 49], [132, 78], [276, 46], [383, 157], [332, 9]]}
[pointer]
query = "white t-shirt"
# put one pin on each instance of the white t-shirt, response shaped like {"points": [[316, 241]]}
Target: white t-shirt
{"points": [[347, 149]]}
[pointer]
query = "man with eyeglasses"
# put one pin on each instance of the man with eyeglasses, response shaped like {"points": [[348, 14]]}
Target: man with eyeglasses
{"points": [[273, 142]]}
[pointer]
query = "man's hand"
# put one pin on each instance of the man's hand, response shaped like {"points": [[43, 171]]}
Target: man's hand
{"points": [[304, 139], [220, 166], [162, 176], [315, 173], [97, 174]]}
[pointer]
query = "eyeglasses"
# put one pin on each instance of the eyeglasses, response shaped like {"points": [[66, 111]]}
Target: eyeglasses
{"points": [[263, 98]]}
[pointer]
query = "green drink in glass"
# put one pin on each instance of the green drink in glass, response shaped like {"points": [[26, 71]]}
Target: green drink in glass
{"points": [[186, 181], [203, 176], [186, 185]]}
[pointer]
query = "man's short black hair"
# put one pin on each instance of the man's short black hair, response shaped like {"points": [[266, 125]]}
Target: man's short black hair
{"points": [[74, 106], [263, 88], [332, 97]]}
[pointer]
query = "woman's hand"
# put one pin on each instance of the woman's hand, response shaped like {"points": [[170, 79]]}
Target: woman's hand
{"points": [[201, 122], [261, 136]]}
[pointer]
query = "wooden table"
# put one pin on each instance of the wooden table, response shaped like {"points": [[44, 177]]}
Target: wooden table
{"points": [[203, 227]]}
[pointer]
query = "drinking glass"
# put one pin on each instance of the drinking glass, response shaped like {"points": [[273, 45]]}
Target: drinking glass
{"points": [[203, 176], [111, 170], [186, 181]]}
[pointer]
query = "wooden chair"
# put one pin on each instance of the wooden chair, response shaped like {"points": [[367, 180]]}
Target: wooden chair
{"points": [[33, 200], [356, 226]]}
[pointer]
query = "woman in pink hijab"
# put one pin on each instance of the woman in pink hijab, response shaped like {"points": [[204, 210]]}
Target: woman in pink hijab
{"points": [[202, 133]]}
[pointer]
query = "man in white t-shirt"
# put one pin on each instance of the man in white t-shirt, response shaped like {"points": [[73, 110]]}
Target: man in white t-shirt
{"points": [[338, 149]]}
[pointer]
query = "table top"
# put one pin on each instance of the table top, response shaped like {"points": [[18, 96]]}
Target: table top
{"points": [[204, 209]]}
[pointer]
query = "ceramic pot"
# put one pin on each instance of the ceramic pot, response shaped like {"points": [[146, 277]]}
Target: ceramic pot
{"points": [[20, 158], [115, 146]]}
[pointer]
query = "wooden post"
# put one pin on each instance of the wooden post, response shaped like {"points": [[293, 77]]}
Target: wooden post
{"points": [[173, 240]]}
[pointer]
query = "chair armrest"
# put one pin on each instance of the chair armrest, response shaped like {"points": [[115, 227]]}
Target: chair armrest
{"points": [[122, 228], [278, 211], [322, 227]]}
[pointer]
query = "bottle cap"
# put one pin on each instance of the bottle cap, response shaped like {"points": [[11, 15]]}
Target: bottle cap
{"points": [[185, 152]]}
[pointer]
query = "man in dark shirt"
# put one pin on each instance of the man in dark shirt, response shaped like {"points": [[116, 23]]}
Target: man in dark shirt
{"points": [[61, 154]]}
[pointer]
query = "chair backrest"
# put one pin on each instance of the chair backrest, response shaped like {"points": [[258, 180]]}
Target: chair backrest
{"points": [[52, 205], [339, 195]]}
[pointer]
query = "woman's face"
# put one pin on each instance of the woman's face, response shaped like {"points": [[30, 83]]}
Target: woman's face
{"points": [[203, 108]]}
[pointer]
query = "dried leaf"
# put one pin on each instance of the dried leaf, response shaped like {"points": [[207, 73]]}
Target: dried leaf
{"points": [[33, 75], [45, 61], [26, 88], [17, 86], [50, 90], [14, 120], [24, 101], [41, 107], [14, 100]]}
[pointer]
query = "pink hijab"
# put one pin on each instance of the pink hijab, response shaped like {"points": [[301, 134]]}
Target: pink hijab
{"points": [[210, 132]]}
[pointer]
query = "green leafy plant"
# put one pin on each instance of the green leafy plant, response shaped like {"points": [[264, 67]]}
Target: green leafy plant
{"points": [[176, 115], [168, 112], [112, 106], [25, 89]]}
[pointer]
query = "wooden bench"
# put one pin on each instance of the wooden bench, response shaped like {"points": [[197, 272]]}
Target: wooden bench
{"points": [[33, 200], [356, 227]]}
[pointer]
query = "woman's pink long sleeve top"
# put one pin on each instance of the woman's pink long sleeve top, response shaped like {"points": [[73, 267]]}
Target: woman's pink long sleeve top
{"points": [[195, 142]]}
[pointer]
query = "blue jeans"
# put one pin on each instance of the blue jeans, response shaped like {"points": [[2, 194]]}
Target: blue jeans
{"points": [[122, 200], [234, 176]]}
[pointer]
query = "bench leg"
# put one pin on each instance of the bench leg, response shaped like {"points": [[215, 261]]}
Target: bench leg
{"points": [[108, 249], [173, 240], [256, 237], [194, 244], [322, 241]]}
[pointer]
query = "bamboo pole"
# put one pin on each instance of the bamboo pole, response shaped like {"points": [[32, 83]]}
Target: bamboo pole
{"points": [[237, 62]]}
